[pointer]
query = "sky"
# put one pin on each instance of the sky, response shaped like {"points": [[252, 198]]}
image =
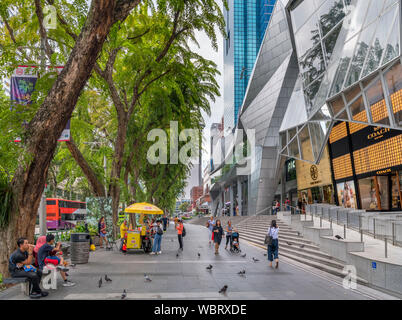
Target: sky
{"points": [[217, 107]]}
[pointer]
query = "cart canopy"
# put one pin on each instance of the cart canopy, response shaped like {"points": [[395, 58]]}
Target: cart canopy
{"points": [[143, 208]]}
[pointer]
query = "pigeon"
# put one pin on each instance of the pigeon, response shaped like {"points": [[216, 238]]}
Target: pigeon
{"points": [[243, 255], [255, 260], [243, 272], [338, 237], [265, 254], [298, 233], [177, 255], [199, 255], [302, 246], [224, 288], [124, 295], [147, 278], [209, 267], [288, 243], [107, 278], [100, 282], [72, 265]]}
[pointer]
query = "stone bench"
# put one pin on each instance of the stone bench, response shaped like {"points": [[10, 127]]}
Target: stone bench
{"points": [[25, 284], [49, 278]]}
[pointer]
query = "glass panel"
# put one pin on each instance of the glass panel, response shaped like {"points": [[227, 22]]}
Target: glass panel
{"points": [[343, 66], [375, 98], [312, 65], [283, 139], [388, 3], [330, 13], [337, 105], [294, 149], [379, 44], [305, 145], [343, 116], [394, 83], [368, 194], [383, 187], [307, 37], [301, 13], [393, 45], [347, 194], [291, 134], [357, 17], [358, 112], [311, 91], [330, 42], [360, 55], [318, 131], [396, 202], [352, 93], [374, 11]]}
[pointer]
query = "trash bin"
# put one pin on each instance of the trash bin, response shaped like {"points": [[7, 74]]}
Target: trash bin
{"points": [[79, 249]]}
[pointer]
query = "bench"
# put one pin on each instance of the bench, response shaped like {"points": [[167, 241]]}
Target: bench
{"points": [[25, 284], [49, 278]]}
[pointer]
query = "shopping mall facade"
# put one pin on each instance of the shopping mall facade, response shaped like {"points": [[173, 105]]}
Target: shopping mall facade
{"points": [[325, 101]]}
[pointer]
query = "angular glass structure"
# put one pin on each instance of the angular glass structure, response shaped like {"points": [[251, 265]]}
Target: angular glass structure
{"points": [[349, 58]]}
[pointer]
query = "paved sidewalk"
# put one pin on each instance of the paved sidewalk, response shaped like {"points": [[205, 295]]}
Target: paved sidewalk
{"points": [[373, 248], [186, 277]]}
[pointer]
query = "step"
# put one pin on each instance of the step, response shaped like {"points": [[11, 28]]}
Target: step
{"points": [[306, 254], [261, 229], [317, 265], [282, 235]]}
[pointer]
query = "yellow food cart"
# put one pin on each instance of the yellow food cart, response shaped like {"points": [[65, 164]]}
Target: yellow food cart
{"points": [[138, 237]]}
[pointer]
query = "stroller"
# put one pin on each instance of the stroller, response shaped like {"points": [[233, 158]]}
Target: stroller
{"points": [[235, 247]]}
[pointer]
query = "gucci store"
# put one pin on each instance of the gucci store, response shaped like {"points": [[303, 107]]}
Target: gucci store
{"points": [[314, 182], [367, 166]]}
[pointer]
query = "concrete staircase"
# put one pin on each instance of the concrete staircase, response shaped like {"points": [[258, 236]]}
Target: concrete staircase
{"points": [[291, 244]]}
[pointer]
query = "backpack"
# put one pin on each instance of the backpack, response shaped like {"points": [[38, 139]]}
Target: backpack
{"points": [[183, 234], [159, 231]]}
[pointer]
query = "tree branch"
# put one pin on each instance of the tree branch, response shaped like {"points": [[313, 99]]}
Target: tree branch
{"points": [[42, 31]]}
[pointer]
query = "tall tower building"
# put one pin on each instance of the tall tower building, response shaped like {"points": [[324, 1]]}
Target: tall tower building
{"points": [[246, 22]]}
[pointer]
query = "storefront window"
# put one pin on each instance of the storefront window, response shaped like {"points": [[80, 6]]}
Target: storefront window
{"points": [[347, 194], [396, 190], [374, 193]]}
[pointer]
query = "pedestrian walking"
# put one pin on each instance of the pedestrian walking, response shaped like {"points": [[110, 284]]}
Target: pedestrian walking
{"points": [[156, 248], [218, 234], [165, 222], [299, 205], [304, 206], [210, 225], [102, 232], [229, 230], [179, 228], [287, 203], [273, 245]]}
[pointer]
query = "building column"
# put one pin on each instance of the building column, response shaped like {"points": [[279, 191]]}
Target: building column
{"points": [[240, 197], [231, 200]]}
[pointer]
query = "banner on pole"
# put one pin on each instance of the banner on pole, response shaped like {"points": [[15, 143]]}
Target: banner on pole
{"points": [[22, 86]]}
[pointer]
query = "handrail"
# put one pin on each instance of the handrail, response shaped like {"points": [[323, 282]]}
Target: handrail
{"points": [[263, 210]]}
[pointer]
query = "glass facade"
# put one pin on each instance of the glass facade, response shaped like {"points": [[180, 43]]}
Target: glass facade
{"points": [[250, 20]]}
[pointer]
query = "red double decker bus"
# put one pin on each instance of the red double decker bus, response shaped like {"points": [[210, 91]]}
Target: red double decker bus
{"points": [[64, 214]]}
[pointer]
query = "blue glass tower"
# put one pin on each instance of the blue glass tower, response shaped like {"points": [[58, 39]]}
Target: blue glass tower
{"points": [[246, 23]]}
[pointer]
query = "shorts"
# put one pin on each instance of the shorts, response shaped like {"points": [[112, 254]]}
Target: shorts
{"points": [[53, 260], [103, 235]]}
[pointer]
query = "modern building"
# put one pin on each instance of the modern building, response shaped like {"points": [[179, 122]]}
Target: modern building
{"points": [[246, 22], [195, 194], [325, 90]]}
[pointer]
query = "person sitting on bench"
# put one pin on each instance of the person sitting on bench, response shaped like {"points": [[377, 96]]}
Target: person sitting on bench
{"points": [[20, 266], [48, 254]]}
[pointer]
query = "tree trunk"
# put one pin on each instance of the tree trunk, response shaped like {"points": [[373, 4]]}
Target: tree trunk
{"points": [[50, 120], [96, 186], [116, 168]]}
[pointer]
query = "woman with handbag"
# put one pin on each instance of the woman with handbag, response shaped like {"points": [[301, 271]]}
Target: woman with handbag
{"points": [[271, 240], [218, 234]]}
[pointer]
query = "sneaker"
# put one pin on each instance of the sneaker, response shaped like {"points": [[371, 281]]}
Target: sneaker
{"points": [[35, 295], [152, 253], [68, 283], [277, 265], [160, 252]]}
